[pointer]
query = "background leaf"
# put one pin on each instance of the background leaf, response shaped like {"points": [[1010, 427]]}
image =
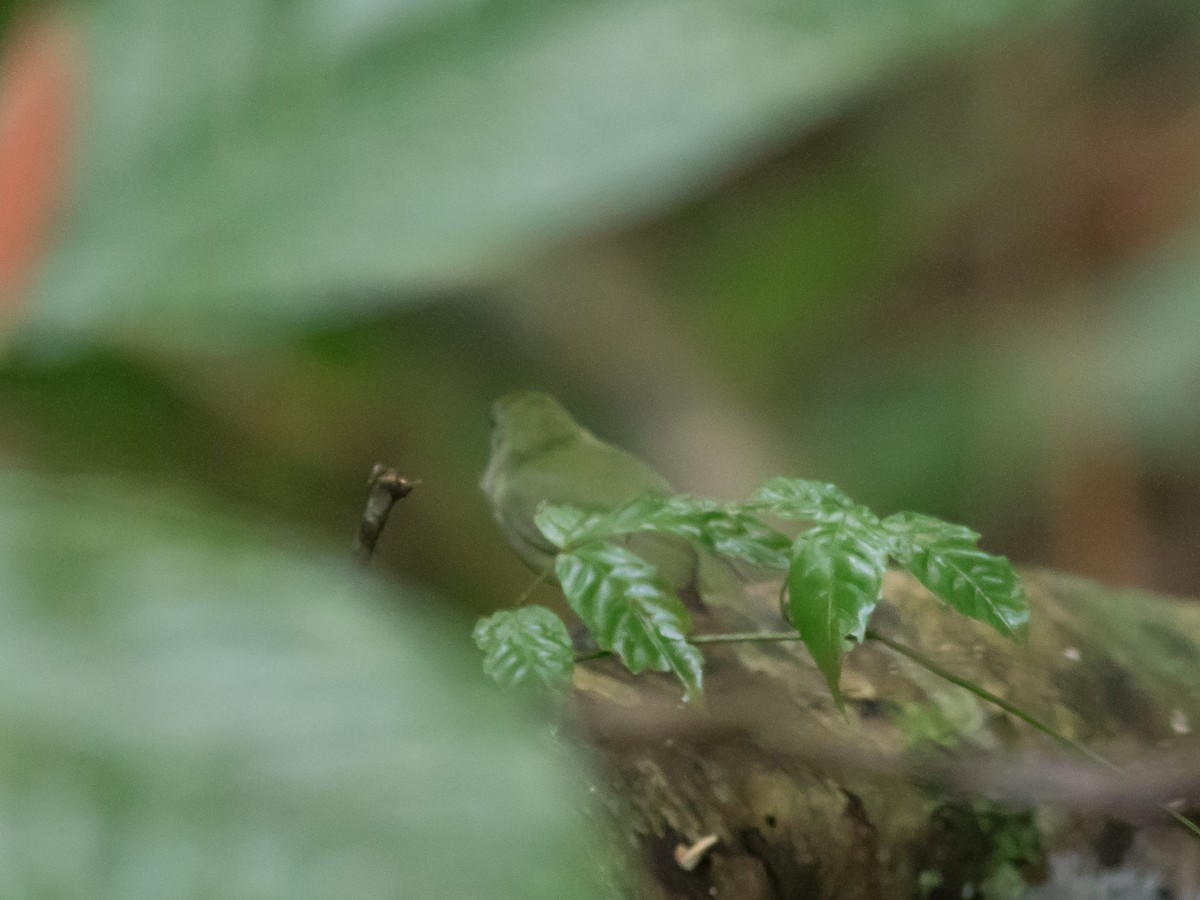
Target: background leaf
{"points": [[193, 707], [833, 586], [525, 644], [628, 611], [250, 164]]}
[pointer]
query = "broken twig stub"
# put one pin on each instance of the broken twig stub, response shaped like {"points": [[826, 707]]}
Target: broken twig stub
{"points": [[387, 487]]}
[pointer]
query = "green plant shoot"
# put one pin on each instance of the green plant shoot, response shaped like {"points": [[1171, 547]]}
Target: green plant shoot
{"points": [[584, 508]]}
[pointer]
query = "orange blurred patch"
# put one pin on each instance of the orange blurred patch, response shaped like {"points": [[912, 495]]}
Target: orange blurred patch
{"points": [[37, 93]]}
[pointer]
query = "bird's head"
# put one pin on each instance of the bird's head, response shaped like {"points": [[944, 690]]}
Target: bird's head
{"points": [[528, 422]]}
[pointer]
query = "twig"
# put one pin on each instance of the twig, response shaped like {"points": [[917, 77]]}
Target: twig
{"points": [[386, 488]]}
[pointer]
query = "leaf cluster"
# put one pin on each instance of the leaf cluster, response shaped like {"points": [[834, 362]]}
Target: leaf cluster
{"points": [[832, 578]]}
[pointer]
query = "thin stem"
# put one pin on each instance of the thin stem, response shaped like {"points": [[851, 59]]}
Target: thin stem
{"points": [[542, 576], [930, 666], [592, 654], [748, 637]]}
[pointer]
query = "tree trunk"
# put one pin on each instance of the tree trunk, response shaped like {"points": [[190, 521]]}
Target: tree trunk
{"points": [[921, 789]]}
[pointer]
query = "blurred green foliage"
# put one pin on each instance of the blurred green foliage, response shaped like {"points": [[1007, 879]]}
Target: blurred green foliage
{"points": [[248, 164], [194, 707], [918, 248]]}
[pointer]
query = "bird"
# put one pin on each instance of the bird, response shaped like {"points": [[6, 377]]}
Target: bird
{"points": [[541, 454]]}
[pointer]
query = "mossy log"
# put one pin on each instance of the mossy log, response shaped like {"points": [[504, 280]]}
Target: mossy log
{"points": [[920, 789]]}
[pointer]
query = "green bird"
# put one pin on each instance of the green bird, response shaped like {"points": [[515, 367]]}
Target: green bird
{"points": [[541, 454]]}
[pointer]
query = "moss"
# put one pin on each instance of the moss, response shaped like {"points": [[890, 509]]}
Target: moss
{"points": [[982, 850]]}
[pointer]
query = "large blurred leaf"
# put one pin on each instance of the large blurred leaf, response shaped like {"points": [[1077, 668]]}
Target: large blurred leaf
{"points": [[247, 162], [192, 711]]}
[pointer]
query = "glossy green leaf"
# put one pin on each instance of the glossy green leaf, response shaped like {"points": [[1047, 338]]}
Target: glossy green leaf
{"points": [[628, 611], [833, 586], [910, 531], [797, 498], [944, 558], [561, 525], [977, 584], [724, 529], [564, 525], [640, 514], [524, 645], [195, 707], [248, 164]]}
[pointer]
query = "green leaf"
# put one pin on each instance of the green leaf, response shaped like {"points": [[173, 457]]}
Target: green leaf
{"points": [[566, 526], [796, 498], [944, 558], [833, 586], [977, 584], [910, 531], [636, 515], [522, 645], [629, 611], [563, 525], [199, 707], [723, 529], [254, 164]]}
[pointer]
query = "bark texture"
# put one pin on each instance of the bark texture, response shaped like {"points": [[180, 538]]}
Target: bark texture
{"points": [[921, 789]]}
